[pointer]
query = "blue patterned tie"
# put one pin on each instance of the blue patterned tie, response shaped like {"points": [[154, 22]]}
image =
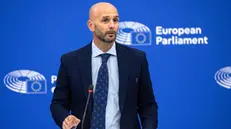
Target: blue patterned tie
{"points": [[100, 95]]}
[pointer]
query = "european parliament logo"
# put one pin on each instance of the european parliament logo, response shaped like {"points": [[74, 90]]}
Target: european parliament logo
{"points": [[133, 33], [223, 77], [26, 82]]}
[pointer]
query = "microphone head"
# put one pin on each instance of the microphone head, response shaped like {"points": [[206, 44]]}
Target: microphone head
{"points": [[90, 88]]}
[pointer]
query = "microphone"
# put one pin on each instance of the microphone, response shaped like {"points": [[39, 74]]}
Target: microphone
{"points": [[90, 90]]}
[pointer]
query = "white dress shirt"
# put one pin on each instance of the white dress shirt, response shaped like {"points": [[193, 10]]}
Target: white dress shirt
{"points": [[112, 109]]}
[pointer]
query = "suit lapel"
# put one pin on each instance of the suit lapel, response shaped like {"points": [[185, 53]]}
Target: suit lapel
{"points": [[123, 73], [86, 77], [85, 67]]}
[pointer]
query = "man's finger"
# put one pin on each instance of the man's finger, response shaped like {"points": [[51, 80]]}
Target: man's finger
{"points": [[69, 117], [76, 121], [65, 126], [66, 122], [70, 121]]}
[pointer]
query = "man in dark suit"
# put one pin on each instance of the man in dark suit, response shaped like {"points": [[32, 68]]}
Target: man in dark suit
{"points": [[122, 88]]}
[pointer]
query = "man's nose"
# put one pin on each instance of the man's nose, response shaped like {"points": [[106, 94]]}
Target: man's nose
{"points": [[112, 25]]}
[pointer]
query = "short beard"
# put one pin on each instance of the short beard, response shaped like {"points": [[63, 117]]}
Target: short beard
{"points": [[102, 36]]}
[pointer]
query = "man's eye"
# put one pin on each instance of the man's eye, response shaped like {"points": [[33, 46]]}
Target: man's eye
{"points": [[105, 20], [115, 20]]}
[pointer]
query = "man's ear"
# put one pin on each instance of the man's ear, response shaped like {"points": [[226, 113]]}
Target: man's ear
{"points": [[91, 25]]}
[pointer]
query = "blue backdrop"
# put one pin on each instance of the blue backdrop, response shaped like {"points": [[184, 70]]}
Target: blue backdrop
{"points": [[187, 44]]}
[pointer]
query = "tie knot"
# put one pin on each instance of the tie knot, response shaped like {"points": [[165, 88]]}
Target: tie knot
{"points": [[105, 57]]}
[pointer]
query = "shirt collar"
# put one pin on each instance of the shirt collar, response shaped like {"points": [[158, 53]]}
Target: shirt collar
{"points": [[96, 51]]}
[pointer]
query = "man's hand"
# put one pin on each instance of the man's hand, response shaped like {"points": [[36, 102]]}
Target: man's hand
{"points": [[70, 121]]}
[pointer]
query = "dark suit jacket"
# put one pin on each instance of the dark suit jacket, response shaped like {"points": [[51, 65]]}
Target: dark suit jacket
{"points": [[135, 88]]}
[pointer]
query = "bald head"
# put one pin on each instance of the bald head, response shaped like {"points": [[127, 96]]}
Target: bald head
{"points": [[103, 22], [101, 8]]}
